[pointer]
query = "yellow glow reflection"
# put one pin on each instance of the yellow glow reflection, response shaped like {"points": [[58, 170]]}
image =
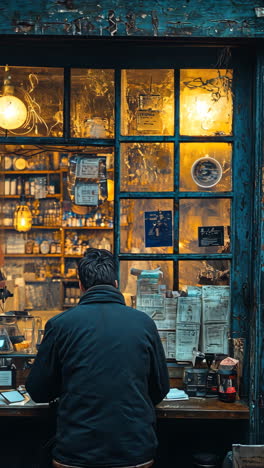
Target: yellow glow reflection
{"points": [[147, 102], [110, 189], [206, 102]]}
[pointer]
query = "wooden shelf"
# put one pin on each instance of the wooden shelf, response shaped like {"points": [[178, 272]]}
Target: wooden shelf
{"points": [[31, 172], [88, 227], [45, 227], [73, 256], [29, 197], [74, 228], [33, 227], [46, 280], [31, 255], [70, 280]]}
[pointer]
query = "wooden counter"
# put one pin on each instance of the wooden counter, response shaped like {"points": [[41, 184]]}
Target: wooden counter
{"points": [[202, 408], [194, 408]]}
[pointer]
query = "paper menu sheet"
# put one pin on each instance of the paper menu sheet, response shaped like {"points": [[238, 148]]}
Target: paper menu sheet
{"points": [[168, 343]]}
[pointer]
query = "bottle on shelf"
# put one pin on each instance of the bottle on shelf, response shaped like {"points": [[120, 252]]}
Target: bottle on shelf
{"points": [[19, 188]]}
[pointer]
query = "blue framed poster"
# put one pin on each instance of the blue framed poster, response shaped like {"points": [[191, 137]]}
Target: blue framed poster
{"points": [[158, 228]]}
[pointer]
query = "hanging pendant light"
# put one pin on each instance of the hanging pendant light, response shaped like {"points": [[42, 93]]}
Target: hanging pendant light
{"points": [[13, 112], [22, 216]]}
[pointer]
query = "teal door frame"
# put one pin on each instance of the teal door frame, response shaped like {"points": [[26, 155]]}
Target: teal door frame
{"points": [[247, 301], [256, 355]]}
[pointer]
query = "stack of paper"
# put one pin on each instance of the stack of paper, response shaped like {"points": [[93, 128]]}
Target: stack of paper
{"points": [[176, 394]]}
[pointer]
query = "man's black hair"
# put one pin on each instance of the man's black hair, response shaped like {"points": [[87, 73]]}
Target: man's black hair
{"points": [[97, 267]]}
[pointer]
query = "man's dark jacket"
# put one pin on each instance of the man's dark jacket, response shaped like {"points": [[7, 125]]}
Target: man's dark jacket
{"points": [[106, 363]]}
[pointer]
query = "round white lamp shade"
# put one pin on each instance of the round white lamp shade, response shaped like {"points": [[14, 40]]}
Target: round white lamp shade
{"points": [[13, 112]]}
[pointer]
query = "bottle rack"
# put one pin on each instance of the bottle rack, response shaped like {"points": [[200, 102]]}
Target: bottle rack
{"points": [[49, 239]]}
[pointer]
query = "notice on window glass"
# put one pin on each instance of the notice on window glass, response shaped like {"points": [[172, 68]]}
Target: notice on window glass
{"points": [[87, 168], [210, 235], [149, 121], [158, 228], [86, 194]]}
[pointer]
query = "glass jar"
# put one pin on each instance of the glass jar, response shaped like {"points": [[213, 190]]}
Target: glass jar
{"points": [[227, 385]]}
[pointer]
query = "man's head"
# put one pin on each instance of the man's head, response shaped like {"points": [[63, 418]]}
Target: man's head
{"points": [[97, 267]]}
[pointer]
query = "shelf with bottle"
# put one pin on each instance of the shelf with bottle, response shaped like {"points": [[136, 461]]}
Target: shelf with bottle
{"points": [[45, 213], [31, 185], [36, 160], [71, 294], [35, 242], [77, 242], [72, 220]]}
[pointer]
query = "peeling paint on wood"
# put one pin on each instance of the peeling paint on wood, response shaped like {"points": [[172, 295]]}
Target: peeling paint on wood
{"points": [[184, 18]]}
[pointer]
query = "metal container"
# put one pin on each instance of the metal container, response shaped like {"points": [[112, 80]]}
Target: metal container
{"points": [[19, 333], [195, 381]]}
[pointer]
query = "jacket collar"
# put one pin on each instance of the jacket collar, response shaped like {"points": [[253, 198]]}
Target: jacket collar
{"points": [[102, 293]]}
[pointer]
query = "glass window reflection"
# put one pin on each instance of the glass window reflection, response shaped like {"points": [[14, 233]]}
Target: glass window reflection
{"points": [[206, 103], [147, 102]]}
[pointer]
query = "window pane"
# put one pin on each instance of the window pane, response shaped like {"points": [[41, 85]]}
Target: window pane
{"points": [[128, 281], [206, 272], [147, 102], [147, 167], [207, 286], [204, 226], [206, 103], [146, 226], [150, 296], [205, 167], [32, 101], [92, 103]]}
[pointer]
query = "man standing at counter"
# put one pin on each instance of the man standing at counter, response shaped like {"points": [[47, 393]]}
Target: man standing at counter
{"points": [[106, 364]]}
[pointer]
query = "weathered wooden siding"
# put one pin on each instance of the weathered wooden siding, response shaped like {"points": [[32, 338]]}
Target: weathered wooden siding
{"points": [[175, 18]]}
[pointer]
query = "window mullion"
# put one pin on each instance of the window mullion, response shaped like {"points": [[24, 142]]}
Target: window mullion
{"points": [[117, 163]]}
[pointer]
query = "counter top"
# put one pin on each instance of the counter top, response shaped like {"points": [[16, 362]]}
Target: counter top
{"points": [[202, 408], [194, 408]]}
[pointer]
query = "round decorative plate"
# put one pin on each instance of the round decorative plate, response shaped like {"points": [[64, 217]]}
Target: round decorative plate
{"points": [[7, 163], [206, 172], [19, 164]]}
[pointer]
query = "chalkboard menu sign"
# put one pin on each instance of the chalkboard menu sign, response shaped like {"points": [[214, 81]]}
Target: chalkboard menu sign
{"points": [[210, 236]]}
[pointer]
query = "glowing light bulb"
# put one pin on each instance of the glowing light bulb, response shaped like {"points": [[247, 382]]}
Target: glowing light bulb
{"points": [[202, 108], [13, 112], [22, 217]]}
